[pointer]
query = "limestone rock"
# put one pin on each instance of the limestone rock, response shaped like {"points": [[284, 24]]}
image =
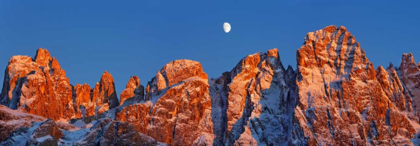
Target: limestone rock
{"points": [[132, 90], [393, 88], [341, 101], [410, 76], [104, 94], [84, 106], [250, 103], [177, 109], [334, 97], [38, 86]]}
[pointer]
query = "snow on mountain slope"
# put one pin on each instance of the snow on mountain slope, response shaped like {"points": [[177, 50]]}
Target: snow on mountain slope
{"points": [[18, 128], [11, 120]]}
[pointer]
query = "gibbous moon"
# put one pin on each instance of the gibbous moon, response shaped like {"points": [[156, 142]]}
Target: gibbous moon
{"points": [[226, 27]]}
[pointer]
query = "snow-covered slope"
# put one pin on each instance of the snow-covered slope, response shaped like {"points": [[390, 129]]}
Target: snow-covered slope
{"points": [[18, 128], [12, 120]]}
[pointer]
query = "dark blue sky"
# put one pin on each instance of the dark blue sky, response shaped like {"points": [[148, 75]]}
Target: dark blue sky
{"points": [[139, 37]]}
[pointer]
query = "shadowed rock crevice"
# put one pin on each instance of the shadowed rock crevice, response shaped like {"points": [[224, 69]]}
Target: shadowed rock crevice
{"points": [[218, 94], [242, 122]]}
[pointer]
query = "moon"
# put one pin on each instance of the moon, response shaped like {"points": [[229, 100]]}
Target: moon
{"points": [[226, 27]]}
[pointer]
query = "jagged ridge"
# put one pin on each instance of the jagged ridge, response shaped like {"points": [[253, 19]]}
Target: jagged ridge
{"points": [[334, 97]]}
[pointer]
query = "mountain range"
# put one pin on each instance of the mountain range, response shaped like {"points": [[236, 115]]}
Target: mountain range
{"points": [[334, 97]]}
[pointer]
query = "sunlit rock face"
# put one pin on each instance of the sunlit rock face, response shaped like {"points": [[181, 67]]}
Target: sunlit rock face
{"points": [[251, 104], [133, 90], [394, 89], [334, 97], [341, 100], [38, 86], [177, 107], [82, 97], [104, 94]]}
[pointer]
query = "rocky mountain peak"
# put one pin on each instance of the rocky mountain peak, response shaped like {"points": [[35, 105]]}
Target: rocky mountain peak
{"points": [[180, 70], [251, 63], [20, 59], [249, 97], [334, 97], [410, 76], [409, 69], [274, 53], [332, 46], [176, 72], [54, 63], [134, 82], [42, 57], [408, 65], [133, 90], [177, 108], [38, 86], [84, 106], [106, 77], [104, 93], [329, 55], [335, 77]]}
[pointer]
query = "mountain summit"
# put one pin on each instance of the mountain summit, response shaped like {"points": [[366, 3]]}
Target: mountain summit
{"points": [[334, 97]]}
